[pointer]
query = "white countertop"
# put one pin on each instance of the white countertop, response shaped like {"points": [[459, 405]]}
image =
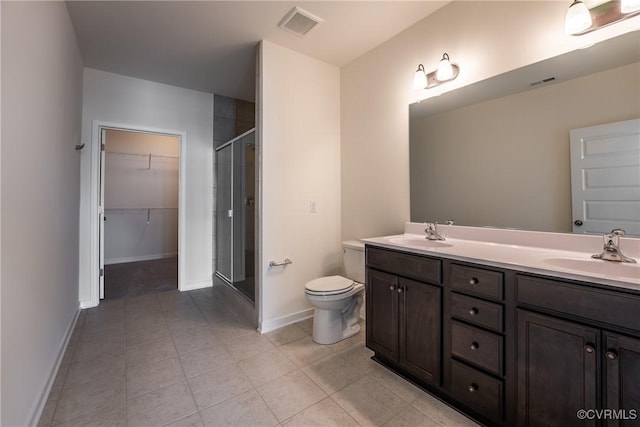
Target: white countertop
{"points": [[561, 263]]}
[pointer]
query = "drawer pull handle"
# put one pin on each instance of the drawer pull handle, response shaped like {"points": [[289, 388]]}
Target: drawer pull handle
{"points": [[392, 287], [473, 281], [589, 348], [472, 388], [612, 355], [474, 346], [473, 311]]}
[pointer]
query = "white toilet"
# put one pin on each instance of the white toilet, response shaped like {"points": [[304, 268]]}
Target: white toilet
{"points": [[337, 300]]}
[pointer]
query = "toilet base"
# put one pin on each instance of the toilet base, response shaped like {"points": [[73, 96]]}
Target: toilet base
{"points": [[331, 335], [328, 326]]}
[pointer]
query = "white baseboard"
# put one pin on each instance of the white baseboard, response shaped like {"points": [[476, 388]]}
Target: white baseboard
{"points": [[273, 324], [196, 285], [109, 261], [36, 413], [87, 304]]}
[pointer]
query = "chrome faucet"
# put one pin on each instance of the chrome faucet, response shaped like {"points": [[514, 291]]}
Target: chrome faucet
{"points": [[432, 231], [611, 250]]}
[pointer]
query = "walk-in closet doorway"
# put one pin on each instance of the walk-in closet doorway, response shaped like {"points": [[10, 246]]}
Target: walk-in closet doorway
{"points": [[139, 199]]}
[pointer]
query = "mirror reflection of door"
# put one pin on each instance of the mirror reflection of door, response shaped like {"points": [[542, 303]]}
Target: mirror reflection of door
{"points": [[140, 219], [605, 178]]}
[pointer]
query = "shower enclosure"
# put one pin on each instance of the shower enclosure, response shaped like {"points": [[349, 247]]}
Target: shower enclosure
{"points": [[235, 213]]}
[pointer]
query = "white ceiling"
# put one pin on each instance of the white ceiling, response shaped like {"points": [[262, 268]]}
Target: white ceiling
{"points": [[210, 45]]}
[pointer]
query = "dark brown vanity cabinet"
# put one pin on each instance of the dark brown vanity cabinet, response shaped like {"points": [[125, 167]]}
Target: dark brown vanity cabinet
{"points": [[557, 370], [476, 357], [622, 376], [570, 359], [403, 314], [507, 347]]}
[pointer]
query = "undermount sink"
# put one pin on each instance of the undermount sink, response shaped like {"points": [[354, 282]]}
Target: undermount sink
{"points": [[416, 242], [606, 268]]}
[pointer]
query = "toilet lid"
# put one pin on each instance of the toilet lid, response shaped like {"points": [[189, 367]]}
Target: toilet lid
{"points": [[330, 285]]}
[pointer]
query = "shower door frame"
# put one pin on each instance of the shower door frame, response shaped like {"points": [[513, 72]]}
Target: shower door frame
{"points": [[231, 280]]}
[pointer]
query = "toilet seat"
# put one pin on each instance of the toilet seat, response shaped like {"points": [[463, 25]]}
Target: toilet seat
{"points": [[330, 285]]}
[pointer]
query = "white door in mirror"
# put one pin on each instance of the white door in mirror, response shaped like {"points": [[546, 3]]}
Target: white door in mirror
{"points": [[605, 178]]}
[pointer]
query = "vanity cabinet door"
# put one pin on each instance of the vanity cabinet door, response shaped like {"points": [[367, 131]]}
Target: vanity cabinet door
{"points": [[382, 313], [622, 378], [420, 326], [557, 370]]}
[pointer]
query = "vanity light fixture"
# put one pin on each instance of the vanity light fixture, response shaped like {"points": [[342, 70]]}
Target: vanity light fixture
{"points": [[581, 19], [578, 18], [446, 71], [629, 6]]}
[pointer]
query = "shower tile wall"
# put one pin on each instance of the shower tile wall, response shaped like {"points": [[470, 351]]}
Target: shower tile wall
{"points": [[231, 117]]}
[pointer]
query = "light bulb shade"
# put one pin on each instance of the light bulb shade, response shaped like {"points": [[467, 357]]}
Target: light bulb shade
{"points": [[629, 6], [420, 78], [445, 70], [578, 18]]}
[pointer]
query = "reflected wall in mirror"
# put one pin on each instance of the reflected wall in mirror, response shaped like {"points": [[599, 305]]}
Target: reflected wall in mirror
{"points": [[505, 162]]}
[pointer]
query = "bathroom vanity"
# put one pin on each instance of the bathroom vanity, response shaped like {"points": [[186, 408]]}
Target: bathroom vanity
{"points": [[498, 332]]}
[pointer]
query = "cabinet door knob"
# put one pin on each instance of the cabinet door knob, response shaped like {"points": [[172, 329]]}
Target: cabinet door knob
{"points": [[472, 387], [473, 281], [589, 348], [400, 290], [474, 346], [612, 355], [473, 311], [392, 287]]}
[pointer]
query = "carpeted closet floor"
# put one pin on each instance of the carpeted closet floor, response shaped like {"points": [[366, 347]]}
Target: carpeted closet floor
{"points": [[140, 278]]}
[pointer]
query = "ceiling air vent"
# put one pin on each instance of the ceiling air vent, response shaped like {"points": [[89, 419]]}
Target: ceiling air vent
{"points": [[539, 82], [299, 21]]}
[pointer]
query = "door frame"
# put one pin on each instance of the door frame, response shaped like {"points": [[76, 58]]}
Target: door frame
{"points": [[95, 216]]}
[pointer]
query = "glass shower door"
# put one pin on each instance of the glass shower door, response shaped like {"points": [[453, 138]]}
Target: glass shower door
{"points": [[224, 212], [235, 213]]}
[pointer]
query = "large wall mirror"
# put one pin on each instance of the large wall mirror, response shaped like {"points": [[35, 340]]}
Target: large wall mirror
{"points": [[496, 153]]}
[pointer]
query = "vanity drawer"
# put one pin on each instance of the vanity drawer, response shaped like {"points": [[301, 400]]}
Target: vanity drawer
{"points": [[479, 347], [474, 310], [478, 391], [477, 281], [595, 304], [424, 269]]}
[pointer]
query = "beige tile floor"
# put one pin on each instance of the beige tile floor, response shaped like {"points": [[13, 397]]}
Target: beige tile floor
{"points": [[185, 359]]}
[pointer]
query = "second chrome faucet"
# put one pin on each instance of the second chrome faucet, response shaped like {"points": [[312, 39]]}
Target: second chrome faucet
{"points": [[432, 231], [611, 250]]}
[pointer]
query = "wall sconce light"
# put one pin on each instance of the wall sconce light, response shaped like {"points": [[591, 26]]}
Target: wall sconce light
{"points": [[578, 18], [581, 19], [446, 71]]}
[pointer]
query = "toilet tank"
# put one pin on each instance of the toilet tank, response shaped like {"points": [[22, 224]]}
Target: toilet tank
{"points": [[353, 256]]}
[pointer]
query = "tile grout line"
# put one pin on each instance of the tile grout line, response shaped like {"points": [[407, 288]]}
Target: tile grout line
{"points": [[182, 366]]}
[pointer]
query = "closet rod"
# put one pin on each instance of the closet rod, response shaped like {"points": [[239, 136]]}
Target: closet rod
{"points": [[141, 154], [139, 209]]}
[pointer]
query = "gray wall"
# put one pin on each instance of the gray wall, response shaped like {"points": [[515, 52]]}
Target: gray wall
{"points": [[505, 162], [231, 117], [41, 118]]}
